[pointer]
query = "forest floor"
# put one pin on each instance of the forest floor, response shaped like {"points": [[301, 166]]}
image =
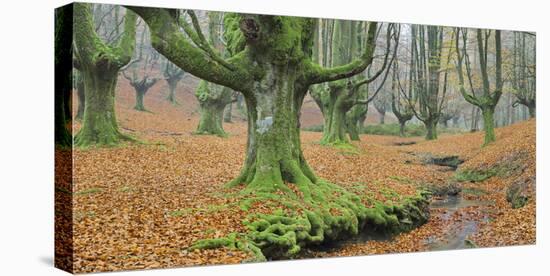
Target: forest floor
{"points": [[140, 206]]}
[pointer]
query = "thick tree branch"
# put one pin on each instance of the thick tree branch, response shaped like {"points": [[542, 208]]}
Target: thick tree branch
{"points": [[167, 39], [320, 74]]}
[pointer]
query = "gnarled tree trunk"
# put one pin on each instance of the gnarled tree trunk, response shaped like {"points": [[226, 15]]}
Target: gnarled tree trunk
{"points": [[100, 65], [213, 99]]}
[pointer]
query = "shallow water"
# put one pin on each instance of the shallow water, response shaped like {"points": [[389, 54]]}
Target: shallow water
{"points": [[456, 232]]}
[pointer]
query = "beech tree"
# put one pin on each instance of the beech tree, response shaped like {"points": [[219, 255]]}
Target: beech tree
{"points": [[400, 108], [173, 75], [213, 98], [339, 97], [140, 77], [100, 64], [490, 94], [382, 104], [428, 92], [524, 81], [141, 85], [273, 72]]}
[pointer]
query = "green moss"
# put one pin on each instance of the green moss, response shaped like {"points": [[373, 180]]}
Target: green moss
{"points": [[89, 191], [330, 213], [475, 175], [100, 64], [402, 179], [213, 99], [474, 191], [470, 244], [181, 212], [126, 189]]}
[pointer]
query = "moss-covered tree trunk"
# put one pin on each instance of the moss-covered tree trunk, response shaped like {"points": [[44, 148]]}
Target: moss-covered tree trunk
{"points": [[402, 128], [212, 99], [490, 96], [274, 153], [431, 129], [335, 131], [141, 86], [211, 119], [173, 75], [100, 64], [488, 124], [354, 120], [139, 100], [99, 124]]}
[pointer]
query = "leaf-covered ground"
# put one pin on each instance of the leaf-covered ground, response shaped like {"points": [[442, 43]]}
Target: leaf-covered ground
{"points": [[141, 205]]}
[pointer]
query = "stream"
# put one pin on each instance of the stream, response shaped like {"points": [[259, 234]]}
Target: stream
{"points": [[454, 231]]}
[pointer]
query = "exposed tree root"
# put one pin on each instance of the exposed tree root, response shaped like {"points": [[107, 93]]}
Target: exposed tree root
{"points": [[315, 214]]}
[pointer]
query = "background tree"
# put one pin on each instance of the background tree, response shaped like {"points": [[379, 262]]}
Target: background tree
{"points": [[382, 103], [400, 108], [173, 75], [428, 92], [100, 64], [490, 95], [339, 97], [213, 98], [140, 77], [524, 77]]}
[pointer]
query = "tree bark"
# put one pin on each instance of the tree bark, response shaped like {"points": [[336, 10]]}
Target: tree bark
{"points": [[227, 117], [532, 111], [488, 124], [172, 84], [431, 129], [100, 65], [99, 125], [213, 99], [274, 152], [402, 128], [139, 100]]}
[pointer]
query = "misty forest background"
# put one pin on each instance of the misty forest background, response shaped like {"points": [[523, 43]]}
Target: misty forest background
{"points": [[209, 137]]}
